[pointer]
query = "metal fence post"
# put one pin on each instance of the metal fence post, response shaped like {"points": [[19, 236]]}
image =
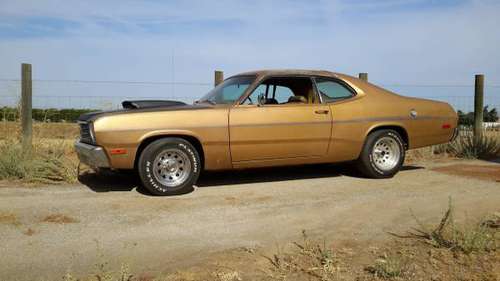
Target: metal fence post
{"points": [[218, 77], [363, 76], [26, 105], [478, 104]]}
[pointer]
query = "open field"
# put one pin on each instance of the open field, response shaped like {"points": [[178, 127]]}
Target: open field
{"points": [[41, 130], [233, 221]]}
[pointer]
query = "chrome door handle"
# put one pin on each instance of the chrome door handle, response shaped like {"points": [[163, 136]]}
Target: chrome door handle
{"points": [[323, 111]]}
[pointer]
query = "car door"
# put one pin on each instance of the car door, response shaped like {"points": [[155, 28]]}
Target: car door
{"points": [[279, 131]]}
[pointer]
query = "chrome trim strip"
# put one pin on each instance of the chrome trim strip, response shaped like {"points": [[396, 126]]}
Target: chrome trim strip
{"points": [[378, 119], [271, 159], [274, 141], [283, 124]]}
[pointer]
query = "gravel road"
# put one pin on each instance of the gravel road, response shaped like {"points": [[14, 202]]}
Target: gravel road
{"points": [[47, 231]]}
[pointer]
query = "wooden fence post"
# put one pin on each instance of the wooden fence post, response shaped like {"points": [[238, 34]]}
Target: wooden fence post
{"points": [[218, 77], [363, 76], [26, 106], [478, 104]]}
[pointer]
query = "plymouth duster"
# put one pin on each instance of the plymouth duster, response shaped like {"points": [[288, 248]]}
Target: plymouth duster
{"points": [[261, 119]]}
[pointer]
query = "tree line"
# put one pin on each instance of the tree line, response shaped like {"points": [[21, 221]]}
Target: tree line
{"points": [[467, 119], [45, 115]]}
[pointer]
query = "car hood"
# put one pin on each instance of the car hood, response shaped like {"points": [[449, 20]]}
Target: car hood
{"points": [[145, 106]]}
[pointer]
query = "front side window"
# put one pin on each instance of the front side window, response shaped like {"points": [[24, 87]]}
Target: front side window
{"points": [[228, 91], [283, 90], [282, 94], [331, 91]]}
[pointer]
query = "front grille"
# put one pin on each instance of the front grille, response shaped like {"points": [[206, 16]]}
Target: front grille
{"points": [[86, 133]]}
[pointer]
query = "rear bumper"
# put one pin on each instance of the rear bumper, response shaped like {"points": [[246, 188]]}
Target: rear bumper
{"points": [[91, 155]]}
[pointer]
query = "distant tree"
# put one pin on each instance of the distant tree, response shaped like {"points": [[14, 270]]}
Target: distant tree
{"points": [[491, 115], [467, 119]]}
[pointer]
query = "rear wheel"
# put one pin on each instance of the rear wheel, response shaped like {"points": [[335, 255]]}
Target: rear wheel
{"points": [[169, 166], [383, 154]]}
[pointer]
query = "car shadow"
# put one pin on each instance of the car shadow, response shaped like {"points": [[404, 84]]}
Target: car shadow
{"points": [[112, 181], [263, 175], [109, 181], [493, 160]]}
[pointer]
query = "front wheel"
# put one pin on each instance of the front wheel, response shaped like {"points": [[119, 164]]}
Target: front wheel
{"points": [[383, 154], [169, 166]]}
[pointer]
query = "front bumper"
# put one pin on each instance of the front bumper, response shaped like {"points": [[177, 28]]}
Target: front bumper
{"points": [[91, 155]]}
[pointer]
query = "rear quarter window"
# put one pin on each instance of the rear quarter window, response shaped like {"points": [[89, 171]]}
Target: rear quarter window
{"points": [[332, 91]]}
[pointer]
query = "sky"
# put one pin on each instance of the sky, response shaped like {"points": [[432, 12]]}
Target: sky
{"points": [[395, 41]]}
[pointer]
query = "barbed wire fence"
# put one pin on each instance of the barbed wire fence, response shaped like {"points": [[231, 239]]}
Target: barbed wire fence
{"points": [[89, 94], [105, 95]]}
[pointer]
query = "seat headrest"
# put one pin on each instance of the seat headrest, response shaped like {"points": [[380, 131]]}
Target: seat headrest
{"points": [[297, 99]]}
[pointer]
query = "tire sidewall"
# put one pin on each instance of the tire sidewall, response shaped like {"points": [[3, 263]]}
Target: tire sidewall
{"points": [[371, 162], [146, 160]]}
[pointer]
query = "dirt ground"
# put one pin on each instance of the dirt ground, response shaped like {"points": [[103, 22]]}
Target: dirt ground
{"points": [[48, 231], [485, 172]]}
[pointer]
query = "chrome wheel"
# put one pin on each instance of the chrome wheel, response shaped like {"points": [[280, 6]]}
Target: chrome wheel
{"points": [[386, 153], [171, 167]]}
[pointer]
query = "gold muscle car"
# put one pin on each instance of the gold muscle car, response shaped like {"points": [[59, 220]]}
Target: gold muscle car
{"points": [[260, 119]]}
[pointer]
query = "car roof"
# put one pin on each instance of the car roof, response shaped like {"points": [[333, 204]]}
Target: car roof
{"points": [[354, 82], [277, 72]]}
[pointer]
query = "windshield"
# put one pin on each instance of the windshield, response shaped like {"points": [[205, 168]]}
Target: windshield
{"points": [[228, 91]]}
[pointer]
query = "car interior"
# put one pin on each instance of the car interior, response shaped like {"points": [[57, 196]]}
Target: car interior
{"points": [[283, 90]]}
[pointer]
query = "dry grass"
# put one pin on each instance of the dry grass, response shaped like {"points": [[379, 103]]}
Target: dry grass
{"points": [[472, 237], [9, 219], [102, 274], [468, 146], [465, 146], [51, 160], [389, 266], [440, 257], [59, 219], [47, 162], [41, 130]]}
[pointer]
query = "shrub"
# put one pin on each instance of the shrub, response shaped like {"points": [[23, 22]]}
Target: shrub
{"points": [[45, 162], [389, 266], [484, 146], [447, 234]]}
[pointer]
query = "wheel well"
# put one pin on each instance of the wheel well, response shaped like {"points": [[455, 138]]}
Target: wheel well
{"points": [[193, 140], [400, 130]]}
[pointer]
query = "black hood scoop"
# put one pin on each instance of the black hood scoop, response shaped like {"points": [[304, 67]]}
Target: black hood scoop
{"points": [[136, 104]]}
